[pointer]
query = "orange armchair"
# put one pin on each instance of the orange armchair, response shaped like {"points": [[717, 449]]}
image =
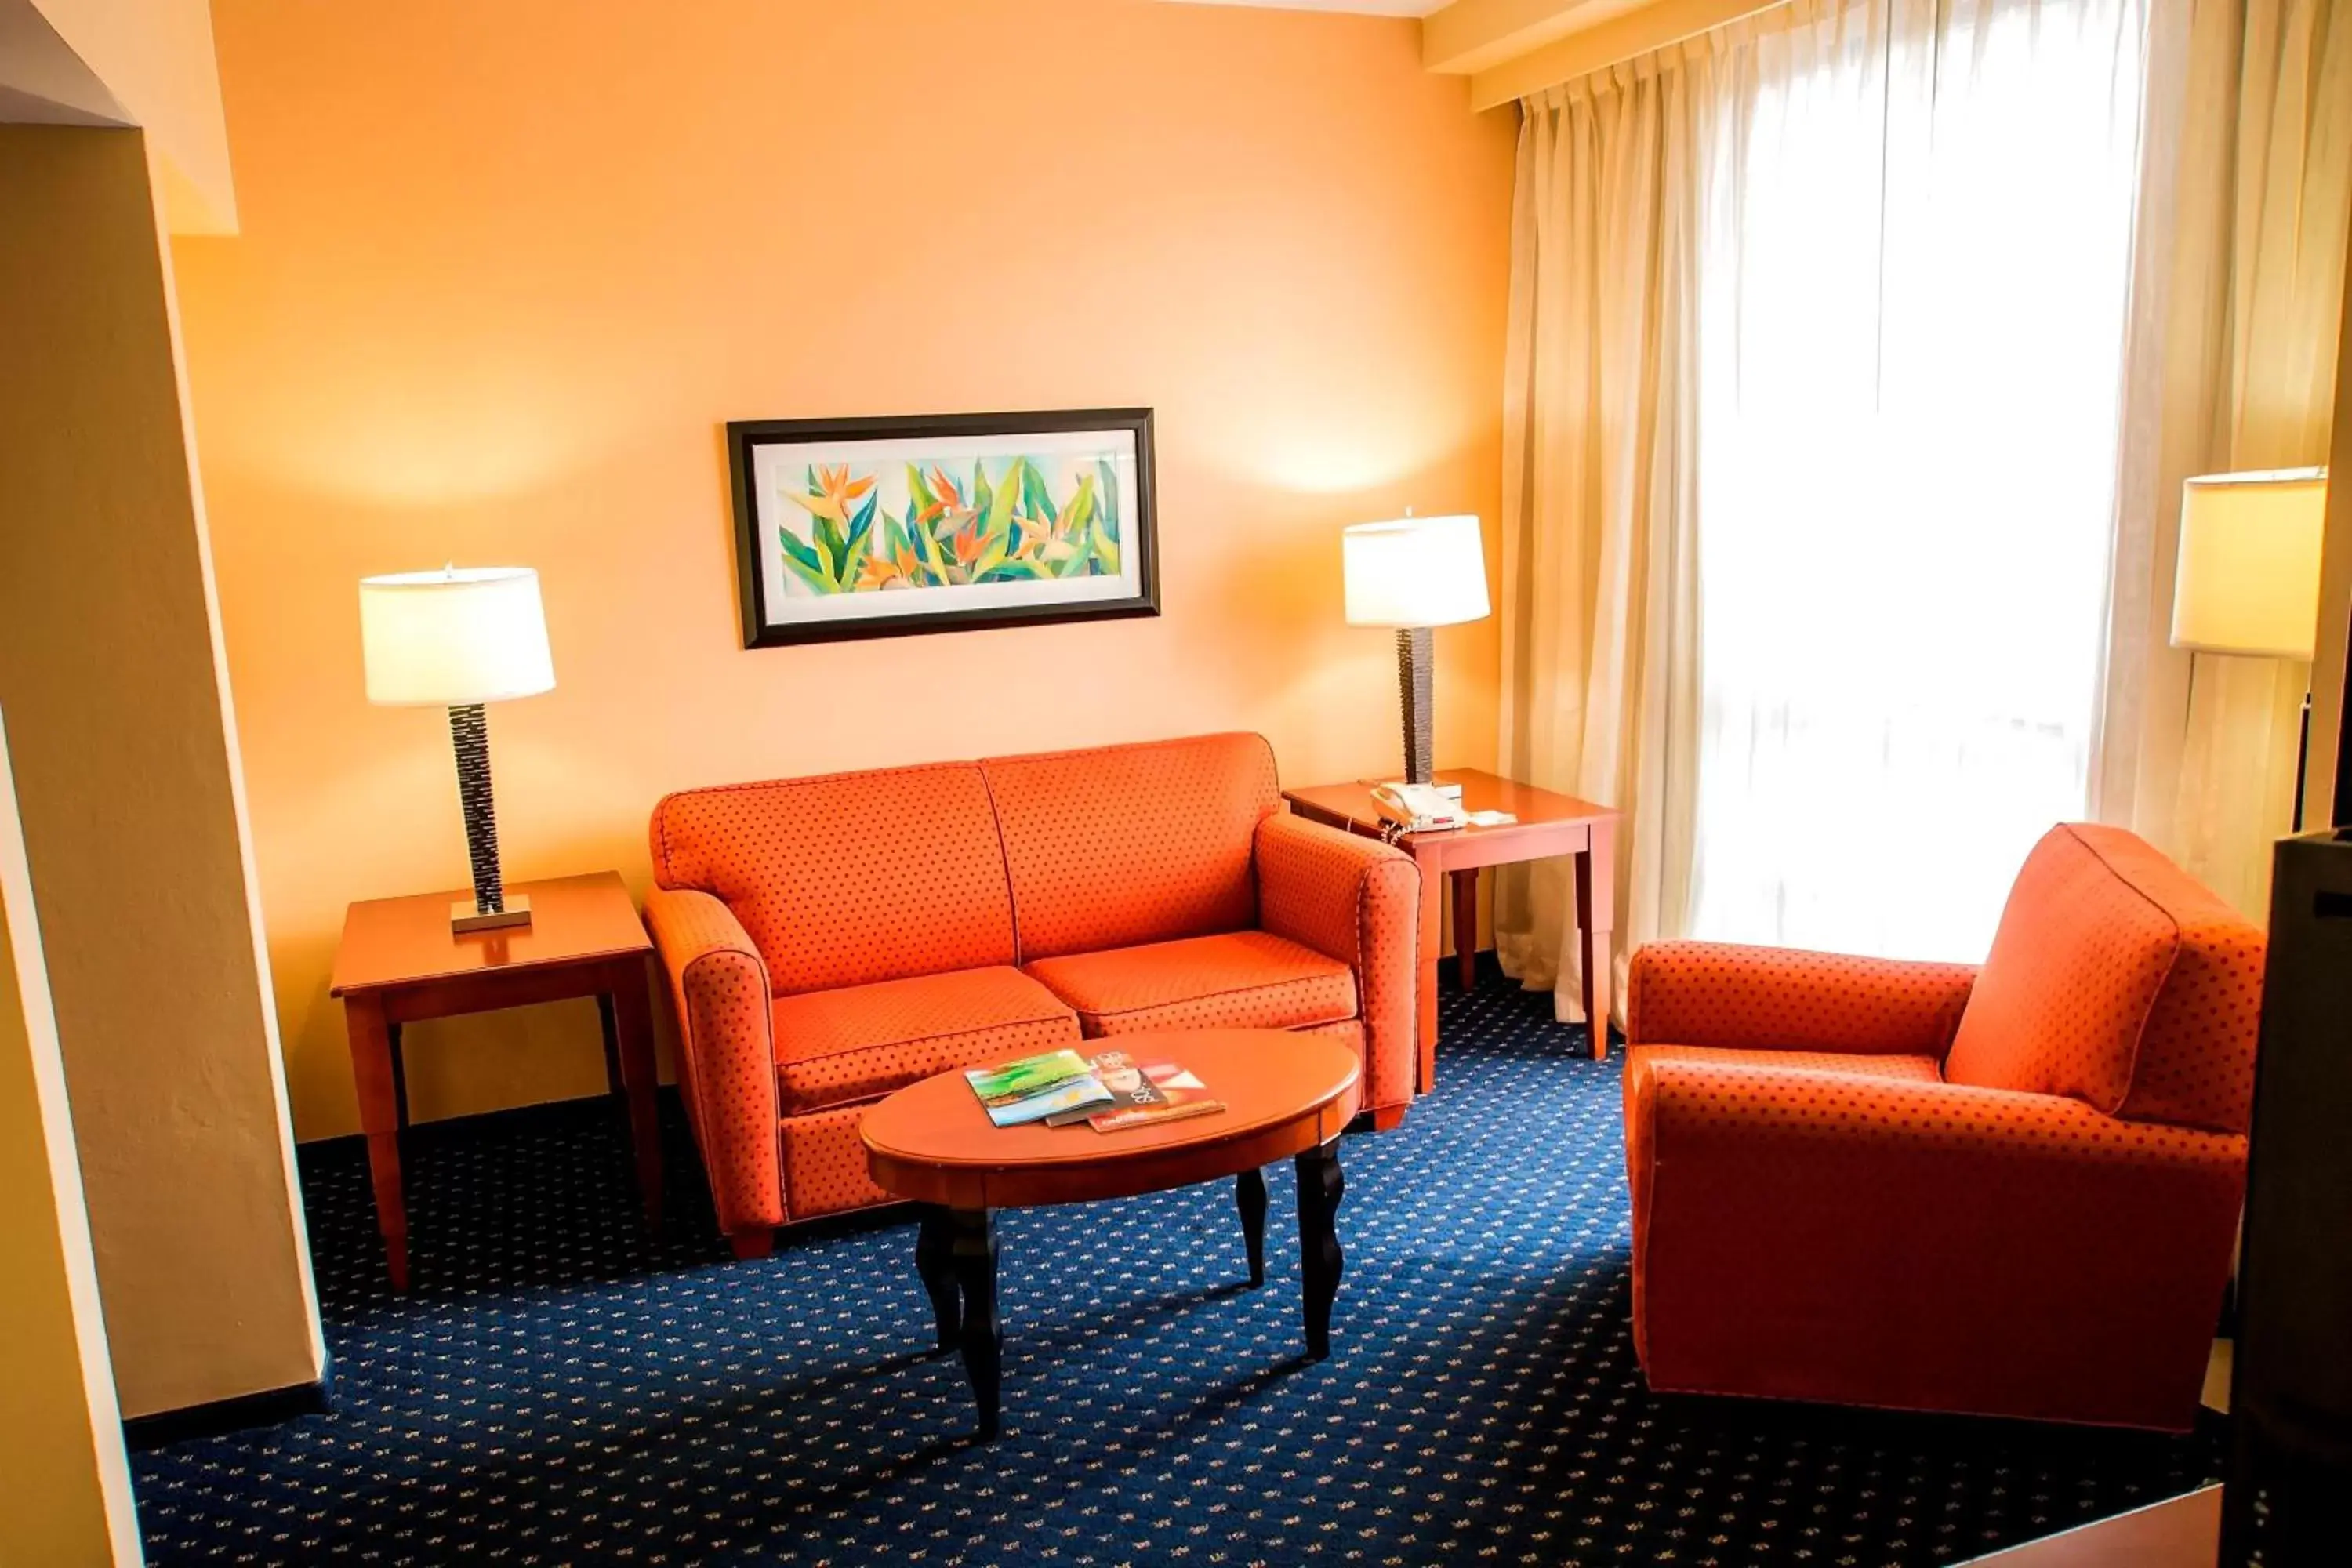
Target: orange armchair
{"points": [[2011, 1191]]}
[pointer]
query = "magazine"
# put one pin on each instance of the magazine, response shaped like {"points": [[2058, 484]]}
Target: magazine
{"points": [[1035, 1088], [1163, 1091], [1126, 1083]]}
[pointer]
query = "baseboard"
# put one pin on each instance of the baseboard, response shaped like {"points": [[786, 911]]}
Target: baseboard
{"points": [[265, 1408]]}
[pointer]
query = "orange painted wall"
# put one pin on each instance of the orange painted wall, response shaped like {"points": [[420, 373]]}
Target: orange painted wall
{"points": [[504, 271]]}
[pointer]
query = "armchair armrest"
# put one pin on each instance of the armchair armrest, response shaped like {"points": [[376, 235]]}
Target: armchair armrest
{"points": [[726, 1057], [1765, 998], [1979, 1248], [1357, 901]]}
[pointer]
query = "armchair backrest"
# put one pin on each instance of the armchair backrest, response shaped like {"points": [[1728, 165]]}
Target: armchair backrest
{"points": [[848, 878], [1118, 846], [2118, 979]]}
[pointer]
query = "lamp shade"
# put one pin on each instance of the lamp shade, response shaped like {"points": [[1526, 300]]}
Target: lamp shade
{"points": [[455, 637], [2249, 575], [1414, 572]]}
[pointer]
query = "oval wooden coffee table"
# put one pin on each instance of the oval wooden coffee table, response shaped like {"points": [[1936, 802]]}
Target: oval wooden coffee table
{"points": [[1284, 1095]]}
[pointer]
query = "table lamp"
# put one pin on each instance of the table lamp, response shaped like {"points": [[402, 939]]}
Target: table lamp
{"points": [[458, 639], [1413, 573], [2248, 582]]}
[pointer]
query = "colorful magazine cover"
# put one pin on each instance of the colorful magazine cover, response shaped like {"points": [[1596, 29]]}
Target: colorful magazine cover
{"points": [[1035, 1088], [1177, 1094], [1118, 1074]]}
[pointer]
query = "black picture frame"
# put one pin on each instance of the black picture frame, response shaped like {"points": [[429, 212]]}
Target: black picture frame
{"points": [[745, 436]]}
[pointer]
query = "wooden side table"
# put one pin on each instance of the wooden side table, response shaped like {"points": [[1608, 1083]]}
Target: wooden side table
{"points": [[399, 963], [1548, 824]]}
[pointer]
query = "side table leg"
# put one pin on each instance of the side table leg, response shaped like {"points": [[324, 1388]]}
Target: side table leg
{"points": [[1465, 927], [612, 1027], [1596, 913], [632, 1017], [1320, 1187], [1249, 1196], [935, 1263], [975, 1249], [399, 1073], [379, 1118], [1433, 901]]}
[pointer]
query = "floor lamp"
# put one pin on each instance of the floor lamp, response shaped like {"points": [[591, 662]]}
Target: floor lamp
{"points": [[2248, 582]]}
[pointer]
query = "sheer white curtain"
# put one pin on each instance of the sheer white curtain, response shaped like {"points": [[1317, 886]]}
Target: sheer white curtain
{"points": [[1915, 268], [1810, 433]]}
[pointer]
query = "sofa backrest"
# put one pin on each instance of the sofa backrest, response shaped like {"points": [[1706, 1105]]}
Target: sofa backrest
{"points": [[2116, 978], [1123, 845], [848, 878]]}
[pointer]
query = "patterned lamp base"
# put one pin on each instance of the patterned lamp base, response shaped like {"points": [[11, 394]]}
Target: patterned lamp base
{"points": [[469, 733], [1413, 646]]}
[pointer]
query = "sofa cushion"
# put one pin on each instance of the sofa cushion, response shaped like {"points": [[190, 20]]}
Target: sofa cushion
{"points": [[1240, 979], [1126, 844], [848, 878], [2076, 963], [836, 1047]]}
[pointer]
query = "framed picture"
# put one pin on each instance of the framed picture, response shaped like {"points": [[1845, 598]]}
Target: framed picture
{"points": [[872, 528]]}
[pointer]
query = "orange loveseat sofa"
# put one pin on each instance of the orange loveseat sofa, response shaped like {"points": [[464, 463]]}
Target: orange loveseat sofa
{"points": [[830, 940], [2006, 1191]]}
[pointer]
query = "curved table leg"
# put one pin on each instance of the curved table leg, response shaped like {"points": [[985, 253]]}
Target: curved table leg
{"points": [[1249, 1196], [974, 1250], [1320, 1187], [935, 1262]]}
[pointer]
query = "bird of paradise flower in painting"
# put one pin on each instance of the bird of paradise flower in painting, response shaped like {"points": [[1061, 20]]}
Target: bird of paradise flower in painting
{"points": [[961, 526]]}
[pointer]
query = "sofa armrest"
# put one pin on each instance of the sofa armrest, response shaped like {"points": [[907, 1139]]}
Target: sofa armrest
{"points": [[1357, 901], [1765, 998], [726, 1057], [1981, 1248]]}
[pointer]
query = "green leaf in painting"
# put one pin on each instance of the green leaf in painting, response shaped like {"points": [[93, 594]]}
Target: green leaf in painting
{"points": [[863, 522], [1106, 553], [1036, 498], [919, 492], [1081, 509], [803, 565], [927, 550], [795, 550], [830, 544], [999, 507], [982, 498], [1109, 501], [991, 557], [854, 558]]}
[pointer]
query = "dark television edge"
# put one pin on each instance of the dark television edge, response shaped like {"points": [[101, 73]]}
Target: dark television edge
{"points": [[2287, 1502]]}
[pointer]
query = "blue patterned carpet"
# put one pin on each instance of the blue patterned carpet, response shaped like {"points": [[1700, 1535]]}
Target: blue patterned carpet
{"points": [[559, 1389]]}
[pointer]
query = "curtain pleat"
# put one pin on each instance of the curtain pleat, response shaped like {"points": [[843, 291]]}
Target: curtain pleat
{"points": [[1600, 589], [2239, 286]]}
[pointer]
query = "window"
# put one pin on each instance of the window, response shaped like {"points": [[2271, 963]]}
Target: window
{"points": [[1915, 263]]}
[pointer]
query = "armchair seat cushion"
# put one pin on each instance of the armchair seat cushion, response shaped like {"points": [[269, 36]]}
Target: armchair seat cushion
{"points": [[835, 1048], [1247, 979]]}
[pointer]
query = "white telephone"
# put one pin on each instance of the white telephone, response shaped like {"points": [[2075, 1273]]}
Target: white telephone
{"points": [[1418, 808]]}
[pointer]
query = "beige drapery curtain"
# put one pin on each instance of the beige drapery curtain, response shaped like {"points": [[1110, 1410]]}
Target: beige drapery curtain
{"points": [[2238, 290], [1623, 175], [1600, 608]]}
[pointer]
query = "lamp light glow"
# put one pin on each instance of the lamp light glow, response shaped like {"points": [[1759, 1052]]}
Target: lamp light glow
{"points": [[2248, 582]]}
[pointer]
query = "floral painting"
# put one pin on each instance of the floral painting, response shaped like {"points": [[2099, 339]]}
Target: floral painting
{"points": [[871, 528]]}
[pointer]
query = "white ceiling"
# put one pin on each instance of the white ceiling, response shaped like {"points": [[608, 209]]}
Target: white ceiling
{"points": [[1361, 7]]}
